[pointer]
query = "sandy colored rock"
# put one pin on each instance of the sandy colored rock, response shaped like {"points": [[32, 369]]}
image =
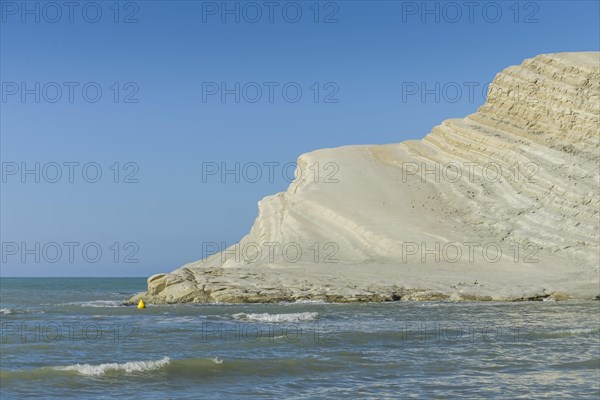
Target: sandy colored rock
{"points": [[500, 205]]}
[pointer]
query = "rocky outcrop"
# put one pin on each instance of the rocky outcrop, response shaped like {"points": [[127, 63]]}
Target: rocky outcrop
{"points": [[501, 205]]}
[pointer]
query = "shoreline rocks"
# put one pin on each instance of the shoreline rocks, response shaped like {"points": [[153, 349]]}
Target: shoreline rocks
{"points": [[502, 205]]}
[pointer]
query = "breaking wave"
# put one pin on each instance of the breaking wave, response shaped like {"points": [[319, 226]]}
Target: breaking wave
{"points": [[128, 367], [97, 303], [266, 317]]}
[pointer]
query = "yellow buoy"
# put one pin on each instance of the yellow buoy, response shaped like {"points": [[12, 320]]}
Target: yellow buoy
{"points": [[141, 304]]}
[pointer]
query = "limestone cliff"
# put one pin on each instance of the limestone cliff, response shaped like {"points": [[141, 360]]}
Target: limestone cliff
{"points": [[503, 205]]}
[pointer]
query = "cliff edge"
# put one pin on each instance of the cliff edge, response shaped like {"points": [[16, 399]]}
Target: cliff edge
{"points": [[500, 205]]}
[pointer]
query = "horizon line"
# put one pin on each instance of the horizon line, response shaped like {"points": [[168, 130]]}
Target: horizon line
{"points": [[1, 277]]}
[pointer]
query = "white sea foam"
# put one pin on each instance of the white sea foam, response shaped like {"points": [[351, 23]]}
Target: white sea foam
{"points": [[178, 320], [7, 311], [216, 360], [128, 367], [97, 303], [266, 317], [307, 302]]}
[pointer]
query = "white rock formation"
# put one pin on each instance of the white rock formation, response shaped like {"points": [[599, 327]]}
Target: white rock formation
{"points": [[501, 205]]}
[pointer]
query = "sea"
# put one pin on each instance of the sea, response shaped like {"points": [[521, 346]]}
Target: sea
{"points": [[76, 338]]}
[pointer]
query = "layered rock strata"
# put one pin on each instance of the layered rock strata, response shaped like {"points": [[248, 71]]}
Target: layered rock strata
{"points": [[500, 205]]}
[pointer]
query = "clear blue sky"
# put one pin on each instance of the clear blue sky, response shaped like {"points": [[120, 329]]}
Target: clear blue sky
{"points": [[361, 59]]}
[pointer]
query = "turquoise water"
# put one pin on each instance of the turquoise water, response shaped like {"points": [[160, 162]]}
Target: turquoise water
{"points": [[73, 338]]}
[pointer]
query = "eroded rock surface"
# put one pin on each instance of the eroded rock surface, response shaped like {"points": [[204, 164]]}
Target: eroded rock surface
{"points": [[500, 205]]}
